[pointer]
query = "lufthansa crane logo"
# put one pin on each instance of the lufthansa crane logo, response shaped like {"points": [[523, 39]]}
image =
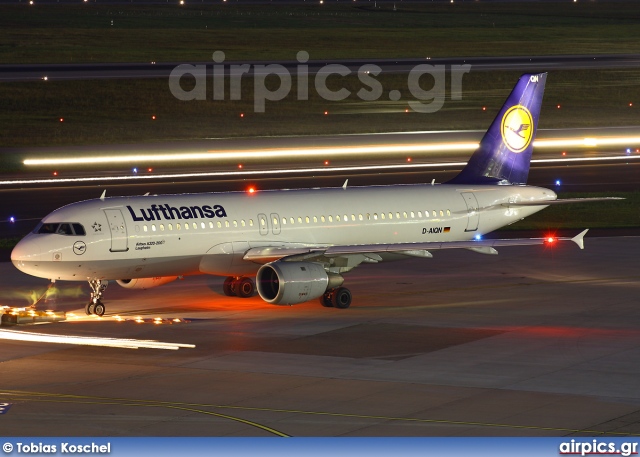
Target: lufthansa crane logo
{"points": [[517, 128], [79, 248]]}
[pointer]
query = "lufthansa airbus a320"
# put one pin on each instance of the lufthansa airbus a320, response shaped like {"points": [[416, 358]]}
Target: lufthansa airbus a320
{"points": [[296, 245]]}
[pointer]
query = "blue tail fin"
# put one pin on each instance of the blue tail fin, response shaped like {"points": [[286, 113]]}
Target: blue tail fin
{"points": [[504, 154]]}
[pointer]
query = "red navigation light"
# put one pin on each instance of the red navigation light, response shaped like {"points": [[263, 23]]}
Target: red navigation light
{"points": [[150, 170], [241, 114], [564, 153], [550, 240], [251, 190], [406, 110], [630, 104], [484, 108], [55, 173], [240, 166], [61, 119], [153, 118], [558, 106], [408, 159], [326, 162], [326, 112]]}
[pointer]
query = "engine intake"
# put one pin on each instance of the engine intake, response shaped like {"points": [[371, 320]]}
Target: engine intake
{"points": [[145, 283], [290, 283]]}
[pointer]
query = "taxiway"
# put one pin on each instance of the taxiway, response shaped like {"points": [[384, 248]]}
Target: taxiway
{"points": [[532, 342]]}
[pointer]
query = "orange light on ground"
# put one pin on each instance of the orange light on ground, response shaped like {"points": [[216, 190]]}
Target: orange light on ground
{"points": [[564, 153], [241, 114], [61, 119], [630, 104], [406, 110], [484, 108], [326, 112], [558, 106], [153, 118]]}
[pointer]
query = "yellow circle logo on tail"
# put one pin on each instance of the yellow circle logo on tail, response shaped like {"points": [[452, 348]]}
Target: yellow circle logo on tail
{"points": [[517, 128]]}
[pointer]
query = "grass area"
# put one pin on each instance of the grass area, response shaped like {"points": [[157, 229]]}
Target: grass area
{"points": [[9, 243], [120, 111], [608, 214], [84, 33]]}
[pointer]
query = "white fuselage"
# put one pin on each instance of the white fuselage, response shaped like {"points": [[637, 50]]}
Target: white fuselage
{"points": [[173, 235]]}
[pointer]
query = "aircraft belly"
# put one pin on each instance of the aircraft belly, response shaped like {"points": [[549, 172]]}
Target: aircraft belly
{"points": [[114, 269]]}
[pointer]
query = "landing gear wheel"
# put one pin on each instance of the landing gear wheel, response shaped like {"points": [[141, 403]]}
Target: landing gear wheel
{"points": [[99, 309], [228, 286], [245, 287], [341, 298], [325, 300], [95, 306]]}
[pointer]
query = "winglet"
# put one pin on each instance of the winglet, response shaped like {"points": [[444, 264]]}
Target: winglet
{"points": [[344, 186], [579, 238], [104, 194]]}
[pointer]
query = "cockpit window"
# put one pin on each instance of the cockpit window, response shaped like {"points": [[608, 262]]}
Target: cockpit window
{"points": [[79, 229], [65, 228], [48, 228]]}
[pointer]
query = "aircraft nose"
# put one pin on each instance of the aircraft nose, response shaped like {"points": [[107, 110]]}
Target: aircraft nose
{"points": [[27, 250]]}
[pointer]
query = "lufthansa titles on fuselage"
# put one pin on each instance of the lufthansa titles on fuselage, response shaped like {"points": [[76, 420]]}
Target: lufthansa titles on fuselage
{"points": [[169, 213]]}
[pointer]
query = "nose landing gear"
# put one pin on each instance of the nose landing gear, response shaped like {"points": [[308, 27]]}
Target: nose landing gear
{"points": [[95, 306]]}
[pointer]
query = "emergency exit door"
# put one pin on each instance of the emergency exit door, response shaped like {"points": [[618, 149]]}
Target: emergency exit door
{"points": [[473, 211]]}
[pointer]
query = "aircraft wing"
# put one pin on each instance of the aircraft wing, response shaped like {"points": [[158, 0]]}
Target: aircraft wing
{"points": [[270, 254]]}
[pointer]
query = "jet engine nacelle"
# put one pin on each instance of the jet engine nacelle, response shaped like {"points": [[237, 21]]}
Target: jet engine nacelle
{"points": [[145, 283], [290, 283]]}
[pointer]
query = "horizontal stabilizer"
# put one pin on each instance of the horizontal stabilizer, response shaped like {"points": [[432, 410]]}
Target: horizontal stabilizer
{"points": [[564, 201]]}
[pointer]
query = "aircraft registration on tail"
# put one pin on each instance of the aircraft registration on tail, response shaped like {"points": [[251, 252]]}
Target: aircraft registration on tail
{"points": [[296, 245]]}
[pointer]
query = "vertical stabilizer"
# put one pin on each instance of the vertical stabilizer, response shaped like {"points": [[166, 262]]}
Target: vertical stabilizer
{"points": [[504, 154]]}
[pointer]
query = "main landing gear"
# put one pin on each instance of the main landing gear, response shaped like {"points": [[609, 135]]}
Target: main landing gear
{"points": [[242, 287], [95, 306], [336, 298]]}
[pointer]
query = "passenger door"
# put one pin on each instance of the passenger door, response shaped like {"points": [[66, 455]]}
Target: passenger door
{"points": [[118, 230]]}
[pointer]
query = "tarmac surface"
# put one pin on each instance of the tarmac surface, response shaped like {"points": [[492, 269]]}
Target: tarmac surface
{"points": [[532, 342]]}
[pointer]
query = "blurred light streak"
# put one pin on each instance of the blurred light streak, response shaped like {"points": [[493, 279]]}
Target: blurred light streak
{"points": [[16, 335], [343, 152], [290, 171]]}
